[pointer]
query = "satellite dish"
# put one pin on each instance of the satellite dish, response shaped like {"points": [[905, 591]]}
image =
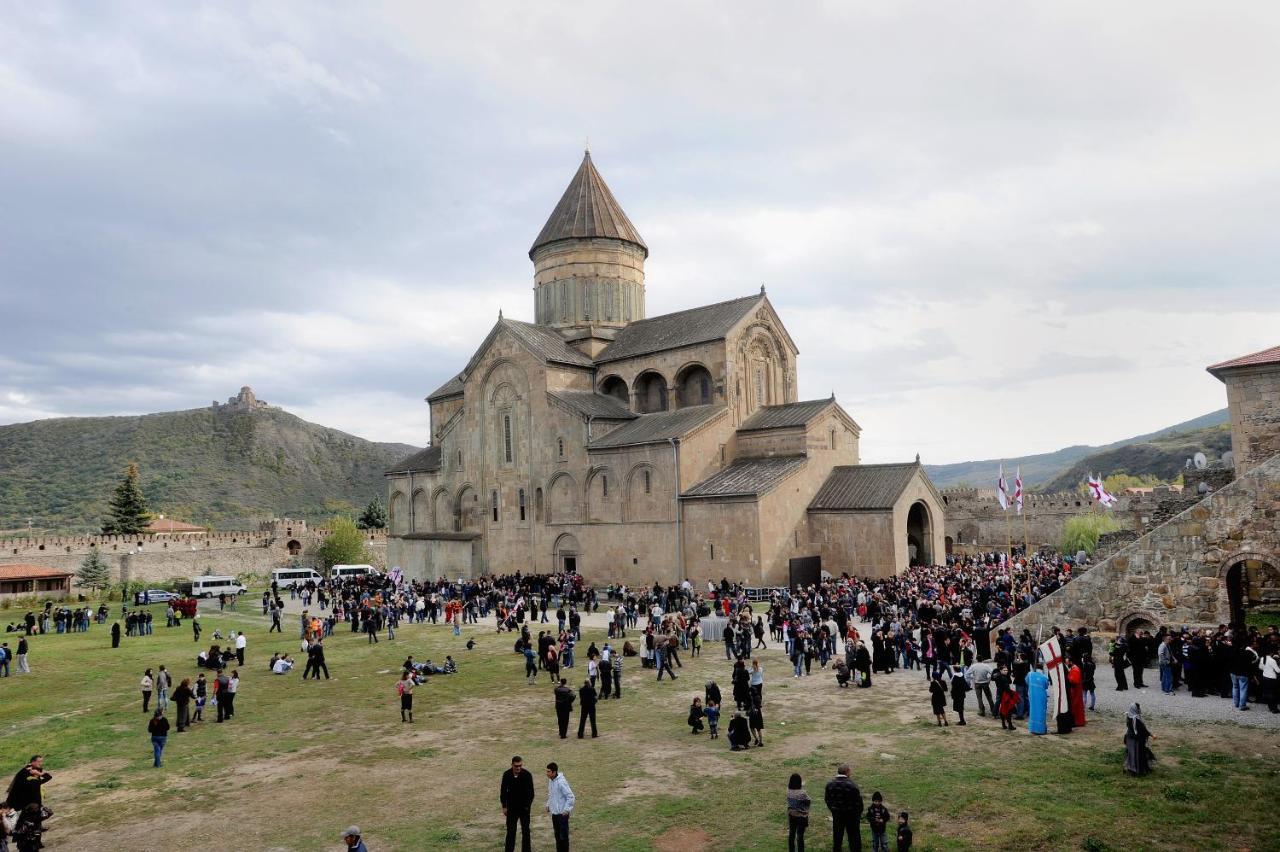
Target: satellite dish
{"points": [[1187, 466], [1229, 458], [1200, 461], [1202, 488]]}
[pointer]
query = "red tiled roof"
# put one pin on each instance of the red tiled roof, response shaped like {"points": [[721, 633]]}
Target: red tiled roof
{"points": [[31, 572], [1266, 356], [168, 525]]}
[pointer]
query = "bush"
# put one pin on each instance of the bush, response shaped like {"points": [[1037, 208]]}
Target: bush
{"points": [[1082, 532]]}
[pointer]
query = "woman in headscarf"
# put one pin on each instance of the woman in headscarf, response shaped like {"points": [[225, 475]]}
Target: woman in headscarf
{"points": [[1137, 757]]}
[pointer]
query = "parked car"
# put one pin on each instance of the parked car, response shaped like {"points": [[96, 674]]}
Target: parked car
{"points": [[154, 596]]}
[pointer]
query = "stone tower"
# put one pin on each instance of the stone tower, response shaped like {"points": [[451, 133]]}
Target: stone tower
{"points": [[1253, 404], [588, 264]]}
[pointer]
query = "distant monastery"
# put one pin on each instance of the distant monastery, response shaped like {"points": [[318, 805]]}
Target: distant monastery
{"points": [[636, 449]]}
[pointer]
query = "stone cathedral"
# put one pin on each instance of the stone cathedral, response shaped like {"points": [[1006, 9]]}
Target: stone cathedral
{"points": [[632, 448]]}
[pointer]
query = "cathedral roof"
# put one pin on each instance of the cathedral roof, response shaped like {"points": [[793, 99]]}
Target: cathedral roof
{"points": [[423, 461], [587, 209], [592, 404], [782, 416], [865, 487], [683, 328], [659, 427], [747, 477], [453, 387]]}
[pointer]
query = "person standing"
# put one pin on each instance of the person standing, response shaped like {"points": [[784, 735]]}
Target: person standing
{"points": [[564, 706], [147, 685], [163, 682], [798, 804], [233, 687], [27, 785], [405, 688], [1119, 662], [1137, 757], [516, 795], [182, 696], [195, 627], [23, 667], [959, 686], [241, 644], [560, 800], [220, 683], [115, 634], [587, 709], [1165, 657], [158, 727], [844, 800], [616, 664]]}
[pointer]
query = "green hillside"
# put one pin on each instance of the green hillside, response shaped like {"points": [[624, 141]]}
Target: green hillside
{"points": [[222, 467], [1042, 469], [1164, 457]]}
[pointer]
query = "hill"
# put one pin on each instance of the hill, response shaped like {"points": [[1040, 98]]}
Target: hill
{"points": [[1040, 471], [1163, 457], [224, 466]]}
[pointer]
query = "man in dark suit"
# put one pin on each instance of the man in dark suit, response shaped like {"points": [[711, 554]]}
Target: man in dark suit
{"points": [[844, 800], [517, 798], [564, 706], [587, 705]]}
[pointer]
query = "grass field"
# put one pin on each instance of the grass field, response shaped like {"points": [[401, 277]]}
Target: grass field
{"points": [[303, 760]]}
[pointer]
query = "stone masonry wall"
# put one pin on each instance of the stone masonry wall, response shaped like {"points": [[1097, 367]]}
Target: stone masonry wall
{"points": [[1176, 573]]}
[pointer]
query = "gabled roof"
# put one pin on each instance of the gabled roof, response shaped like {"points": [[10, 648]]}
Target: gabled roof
{"points": [[169, 525], [864, 487], [683, 328], [587, 209], [453, 387], [747, 477], [544, 343], [424, 461], [1255, 359], [782, 416], [591, 404], [659, 427]]}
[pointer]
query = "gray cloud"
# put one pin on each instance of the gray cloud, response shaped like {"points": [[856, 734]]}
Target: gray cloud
{"points": [[959, 211]]}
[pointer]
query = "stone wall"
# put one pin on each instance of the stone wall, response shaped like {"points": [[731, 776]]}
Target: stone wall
{"points": [[156, 558], [1176, 574], [1253, 402]]}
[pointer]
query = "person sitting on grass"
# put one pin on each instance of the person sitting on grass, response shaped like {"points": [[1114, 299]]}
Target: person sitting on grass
{"points": [[282, 665], [739, 733]]}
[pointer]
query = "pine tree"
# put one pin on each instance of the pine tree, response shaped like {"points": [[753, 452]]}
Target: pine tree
{"points": [[128, 512], [374, 516], [93, 573]]}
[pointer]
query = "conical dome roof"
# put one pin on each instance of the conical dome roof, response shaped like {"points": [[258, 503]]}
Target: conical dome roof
{"points": [[588, 209]]}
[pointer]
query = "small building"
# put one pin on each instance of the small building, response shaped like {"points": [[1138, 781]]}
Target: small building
{"points": [[167, 526], [34, 580]]}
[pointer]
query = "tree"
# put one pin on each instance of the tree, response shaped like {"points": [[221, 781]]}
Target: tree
{"points": [[343, 546], [374, 516], [1082, 531], [93, 572], [127, 512]]}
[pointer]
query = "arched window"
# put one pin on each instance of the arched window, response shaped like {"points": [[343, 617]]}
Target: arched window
{"points": [[833, 439], [648, 483], [522, 504], [493, 501], [506, 437], [564, 301]]}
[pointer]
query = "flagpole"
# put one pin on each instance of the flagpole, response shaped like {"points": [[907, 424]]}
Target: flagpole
{"points": [[1008, 547]]}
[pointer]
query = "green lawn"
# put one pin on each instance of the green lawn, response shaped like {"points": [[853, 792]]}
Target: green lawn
{"points": [[303, 760]]}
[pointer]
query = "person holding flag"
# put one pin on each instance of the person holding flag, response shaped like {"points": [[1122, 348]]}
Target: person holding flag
{"points": [[1059, 700]]}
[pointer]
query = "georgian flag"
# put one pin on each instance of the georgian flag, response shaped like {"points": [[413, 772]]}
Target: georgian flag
{"points": [[1002, 490], [1055, 667], [1099, 492], [1017, 489]]}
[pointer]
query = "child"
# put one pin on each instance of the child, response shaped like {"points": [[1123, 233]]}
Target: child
{"points": [[695, 716], [878, 817], [755, 720], [904, 833], [712, 714], [938, 698], [958, 688]]}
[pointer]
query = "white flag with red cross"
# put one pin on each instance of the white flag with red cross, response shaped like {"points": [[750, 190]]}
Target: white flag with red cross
{"points": [[1055, 665], [1002, 490], [1017, 489]]}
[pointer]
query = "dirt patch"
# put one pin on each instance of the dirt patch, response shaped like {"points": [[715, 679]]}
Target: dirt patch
{"points": [[682, 840]]}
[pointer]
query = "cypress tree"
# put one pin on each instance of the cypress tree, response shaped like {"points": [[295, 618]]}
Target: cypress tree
{"points": [[127, 512]]}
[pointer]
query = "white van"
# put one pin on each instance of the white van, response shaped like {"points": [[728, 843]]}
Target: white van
{"points": [[344, 572], [211, 587], [286, 578]]}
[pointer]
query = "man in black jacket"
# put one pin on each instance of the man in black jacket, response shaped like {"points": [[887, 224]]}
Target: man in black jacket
{"points": [[844, 800], [587, 709], [564, 706], [25, 788], [517, 799]]}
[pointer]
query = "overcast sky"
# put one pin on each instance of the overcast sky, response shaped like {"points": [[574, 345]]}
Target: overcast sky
{"points": [[991, 229]]}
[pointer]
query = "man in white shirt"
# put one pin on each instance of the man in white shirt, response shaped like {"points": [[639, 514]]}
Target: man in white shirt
{"points": [[560, 801], [241, 642]]}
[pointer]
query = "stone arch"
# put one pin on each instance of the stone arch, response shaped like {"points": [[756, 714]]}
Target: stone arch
{"points": [[442, 511], [1246, 579], [920, 534], [294, 547], [650, 392], [762, 361], [421, 510], [694, 385], [399, 511], [949, 543], [467, 511], [1138, 619], [566, 553], [562, 499], [603, 501], [645, 495], [616, 387]]}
